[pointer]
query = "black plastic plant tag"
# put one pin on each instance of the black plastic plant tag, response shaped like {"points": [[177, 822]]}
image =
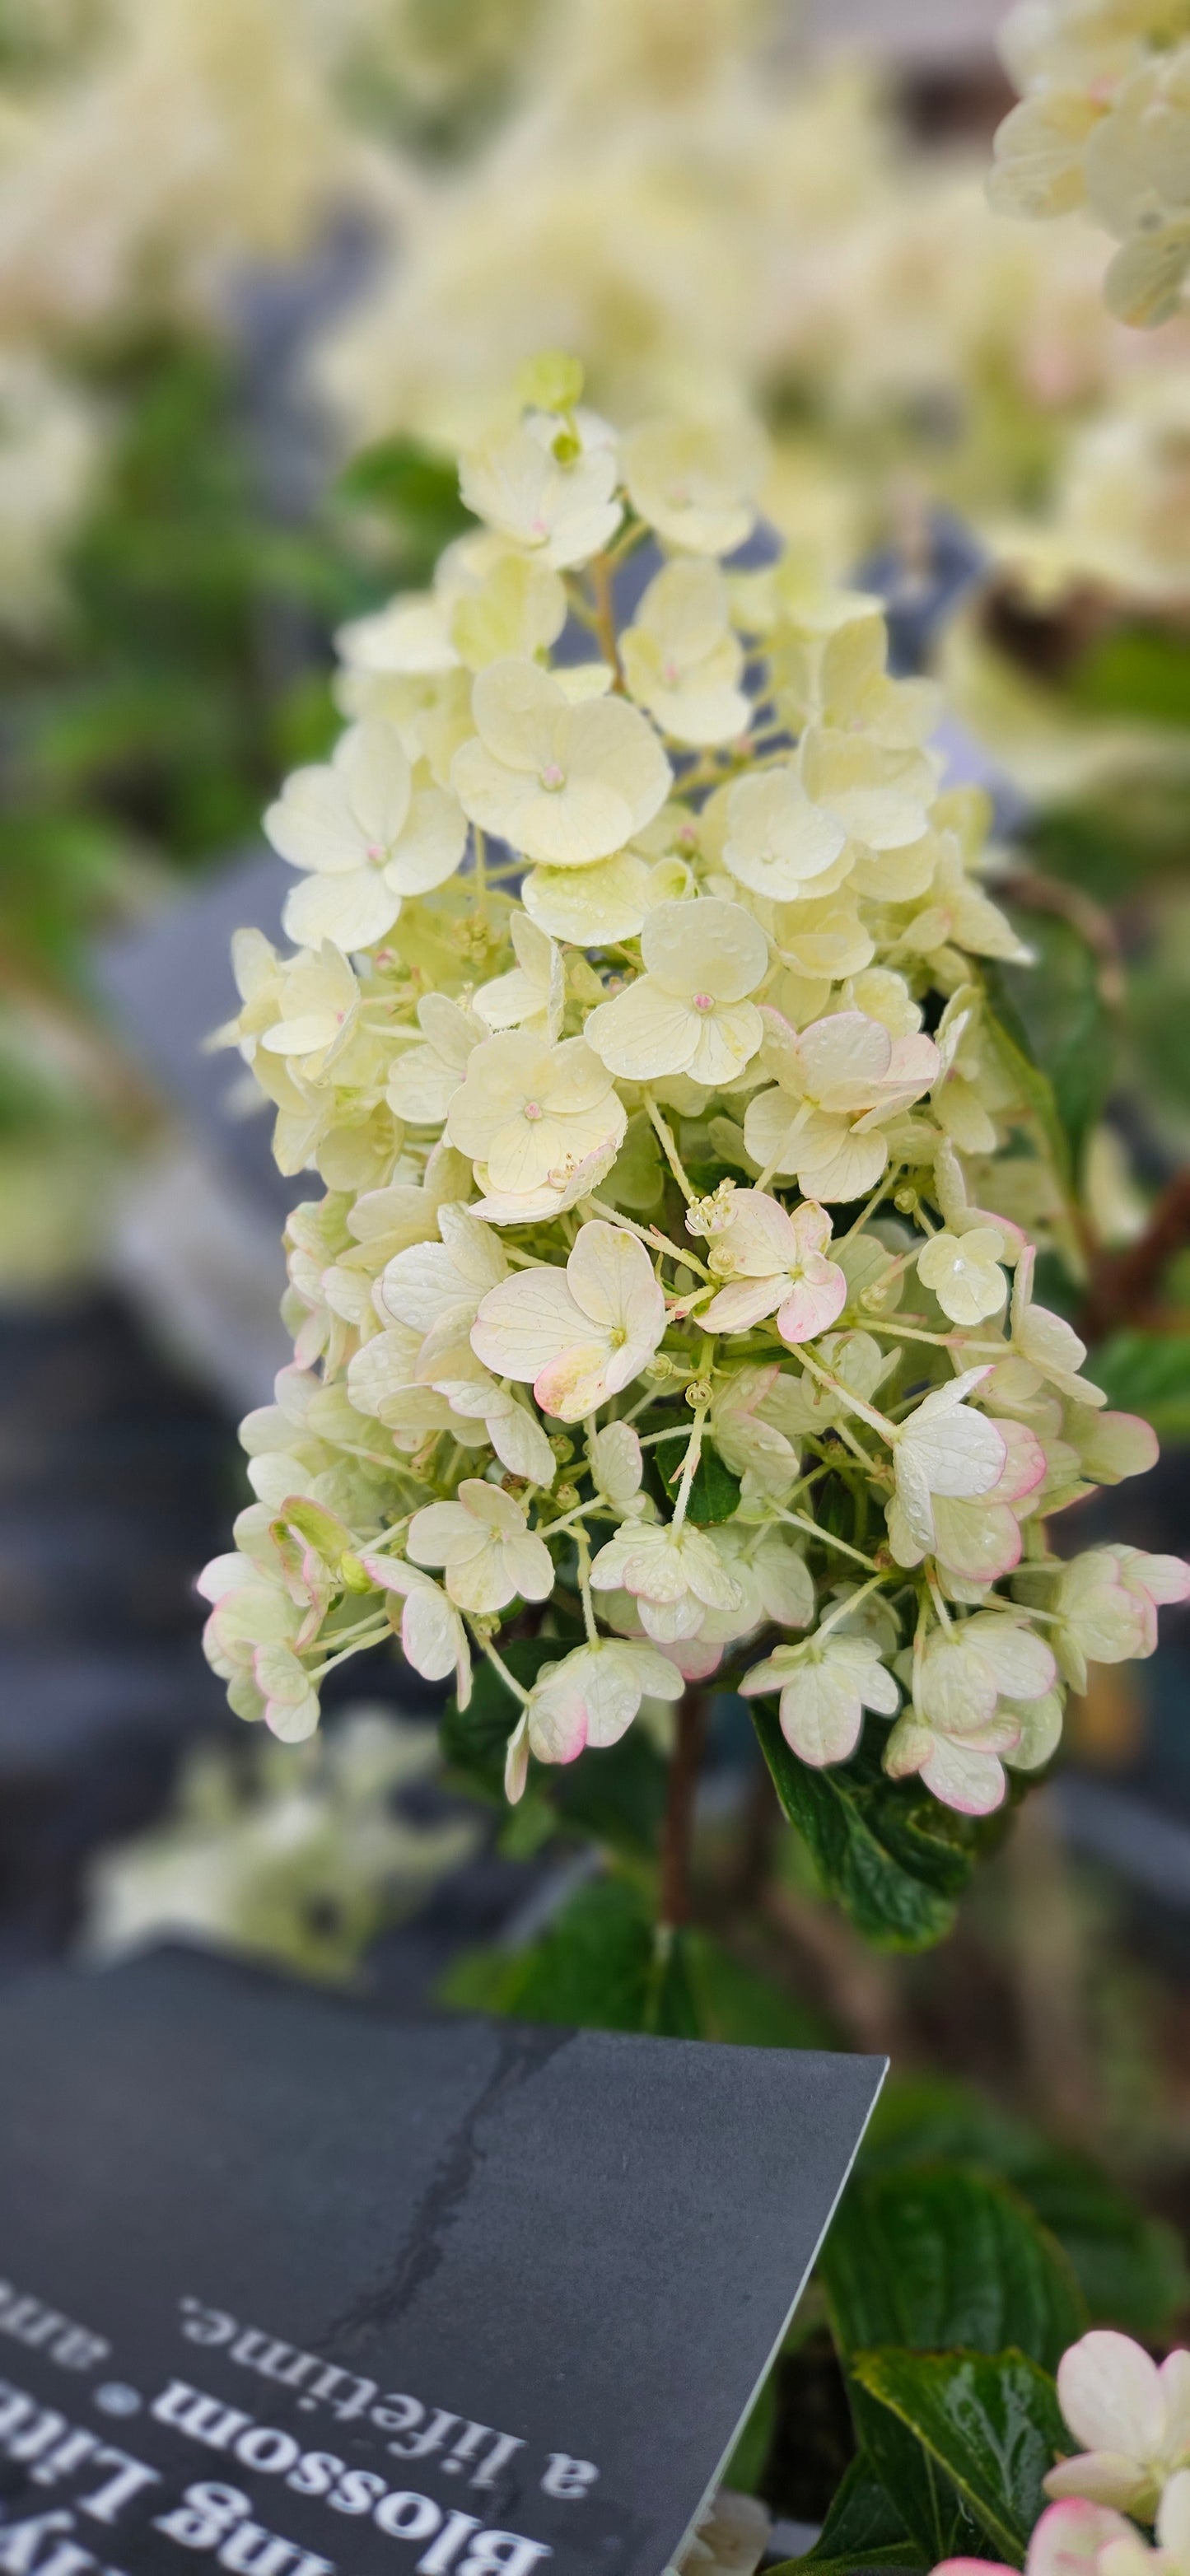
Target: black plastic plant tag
{"points": [[288, 2288]]}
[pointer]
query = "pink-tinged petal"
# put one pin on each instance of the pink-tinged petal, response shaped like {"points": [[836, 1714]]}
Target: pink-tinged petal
{"points": [[745, 1302], [1110, 2393], [814, 1303], [1024, 1466], [526, 1322], [972, 2567], [970, 1782], [693, 1657], [1069, 2537], [1164, 1578], [978, 1541], [574, 1383]]}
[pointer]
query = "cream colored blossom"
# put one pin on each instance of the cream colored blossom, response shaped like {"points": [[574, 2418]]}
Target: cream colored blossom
{"points": [[590, 906], [965, 1718], [825, 1686], [548, 486], [436, 1289], [682, 661], [533, 995], [483, 1541], [778, 842], [565, 784], [365, 837], [674, 1575], [582, 1334], [696, 482], [527, 1108], [425, 1078], [749, 1441], [1047, 1343], [1105, 1605], [838, 1083], [964, 1272], [945, 1449], [774, 1263], [589, 1698], [689, 1012], [317, 1005], [433, 1638]]}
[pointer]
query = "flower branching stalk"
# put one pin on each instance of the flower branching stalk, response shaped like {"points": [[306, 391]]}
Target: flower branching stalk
{"points": [[670, 1296]]}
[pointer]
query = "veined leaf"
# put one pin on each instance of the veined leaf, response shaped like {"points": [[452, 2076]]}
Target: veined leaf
{"points": [[893, 1858], [989, 2424], [936, 2255]]}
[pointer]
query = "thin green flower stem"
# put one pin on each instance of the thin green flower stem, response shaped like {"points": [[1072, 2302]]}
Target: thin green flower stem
{"points": [[677, 1432], [943, 1614], [855, 1403], [360, 1640], [802, 1521], [497, 1661], [843, 1609], [393, 1531], [605, 616], [957, 1341], [651, 1236], [672, 1156], [689, 1466], [584, 1585], [631, 535], [886, 1183], [856, 1446], [553, 1529]]}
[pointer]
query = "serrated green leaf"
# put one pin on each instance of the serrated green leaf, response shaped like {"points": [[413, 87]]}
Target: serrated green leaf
{"points": [[1148, 1373], [892, 1857], [862, 2530], [989, 2424], [937, 2255], [1129, 2267]]}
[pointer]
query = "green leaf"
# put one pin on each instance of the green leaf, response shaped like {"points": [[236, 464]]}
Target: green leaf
{"points": [[937, 2255], [862, 2530], [1056, 1010], [417, 489], [1139, 671], [892, 1857], [714, 1491], [1129, 2267], [603, 1965], [989, 2424], [1149, 1373]]}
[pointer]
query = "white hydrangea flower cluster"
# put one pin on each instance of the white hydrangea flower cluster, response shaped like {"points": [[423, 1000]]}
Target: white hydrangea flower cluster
{"points": [[666, 1272], [1132, 2416], [1105, 123]]}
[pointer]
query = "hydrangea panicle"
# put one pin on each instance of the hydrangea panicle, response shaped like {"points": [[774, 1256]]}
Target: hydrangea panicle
{"points": [[657, 1298]]}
